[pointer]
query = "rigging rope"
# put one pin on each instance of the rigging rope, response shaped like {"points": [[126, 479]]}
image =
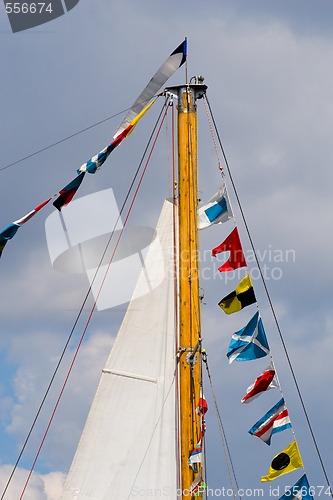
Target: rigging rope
{"points": [[86, 297], [81, 131], [271, 305], [219, 164], [160, 118], [176, 264], [227, 454], [165, 108]]}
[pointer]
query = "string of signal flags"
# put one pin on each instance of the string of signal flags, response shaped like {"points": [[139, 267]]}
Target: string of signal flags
{"points": [[138, 109], [250, 343]]}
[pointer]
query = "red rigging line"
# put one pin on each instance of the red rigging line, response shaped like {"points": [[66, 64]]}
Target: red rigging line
{"points": [[151, 142], [98, 294]]}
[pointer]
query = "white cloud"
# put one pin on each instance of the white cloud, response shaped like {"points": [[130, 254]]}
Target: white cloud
{"points": [[270, 89], [36, 366], [40, 487]]}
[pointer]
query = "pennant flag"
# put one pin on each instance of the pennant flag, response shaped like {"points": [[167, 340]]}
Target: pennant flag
{"points": [[203, 428], [198, 487], [264, 382], [130, 127], [250, 342], [10, 231], [27, 217], [92, 165], [68, 192], [202, 407], [7, 234], [233, 245], [241, 297], [173, 62], [300, 490], [195, 457], [97, 161], [216, 211], [139, 107], [275, 420], [288, 460]]}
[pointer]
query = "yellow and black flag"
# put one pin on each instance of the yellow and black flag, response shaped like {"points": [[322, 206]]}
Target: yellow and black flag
{"points": [[286, 461], [241, 297]]}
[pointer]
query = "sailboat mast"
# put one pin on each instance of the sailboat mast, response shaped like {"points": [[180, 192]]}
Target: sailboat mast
{"points": [[189, 313]]}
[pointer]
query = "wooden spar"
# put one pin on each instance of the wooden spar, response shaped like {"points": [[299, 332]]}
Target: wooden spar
{"points": [[189, 310]]}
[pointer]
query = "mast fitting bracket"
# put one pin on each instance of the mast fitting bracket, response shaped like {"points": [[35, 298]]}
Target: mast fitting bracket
{"points": [[191, 358]]}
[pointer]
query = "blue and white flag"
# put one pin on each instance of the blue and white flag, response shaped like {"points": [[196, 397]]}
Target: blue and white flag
{"points": [[250, 342], [97, 161], [216, 211], [275, 420], [300, 491]]}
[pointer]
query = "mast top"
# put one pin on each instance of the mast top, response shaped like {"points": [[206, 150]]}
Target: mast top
{"points": [[196, 85]]}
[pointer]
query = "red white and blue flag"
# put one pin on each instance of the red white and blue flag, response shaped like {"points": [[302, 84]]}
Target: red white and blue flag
{"points": [[67, 193], [195, 457], [275, 420], [203, 428], [10, 231]]}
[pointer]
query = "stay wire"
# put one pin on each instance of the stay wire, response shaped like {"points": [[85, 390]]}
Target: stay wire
{"points": [[81, 131], [175, 267], [231, 473], [81, 308], [209, 117], [100, 289], [271, 305]]}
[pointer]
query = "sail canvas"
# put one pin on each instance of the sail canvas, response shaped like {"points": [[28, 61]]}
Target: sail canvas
{"points": [[130, 434]]}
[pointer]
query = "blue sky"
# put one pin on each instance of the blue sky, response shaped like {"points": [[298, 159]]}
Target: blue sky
{"points": [[268, 67]]}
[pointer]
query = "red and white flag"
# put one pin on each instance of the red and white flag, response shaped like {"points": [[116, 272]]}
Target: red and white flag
{"points": [[267, 380], [202, 407]]}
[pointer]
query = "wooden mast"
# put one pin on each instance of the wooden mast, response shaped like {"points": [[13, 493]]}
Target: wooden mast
{"points": [[189, 311]]}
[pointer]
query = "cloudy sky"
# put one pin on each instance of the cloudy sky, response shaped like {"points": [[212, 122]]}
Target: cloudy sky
{"points": [[268, 67]]}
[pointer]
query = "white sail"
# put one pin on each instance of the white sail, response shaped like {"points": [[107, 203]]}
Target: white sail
{"points": [[128, 447]]}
